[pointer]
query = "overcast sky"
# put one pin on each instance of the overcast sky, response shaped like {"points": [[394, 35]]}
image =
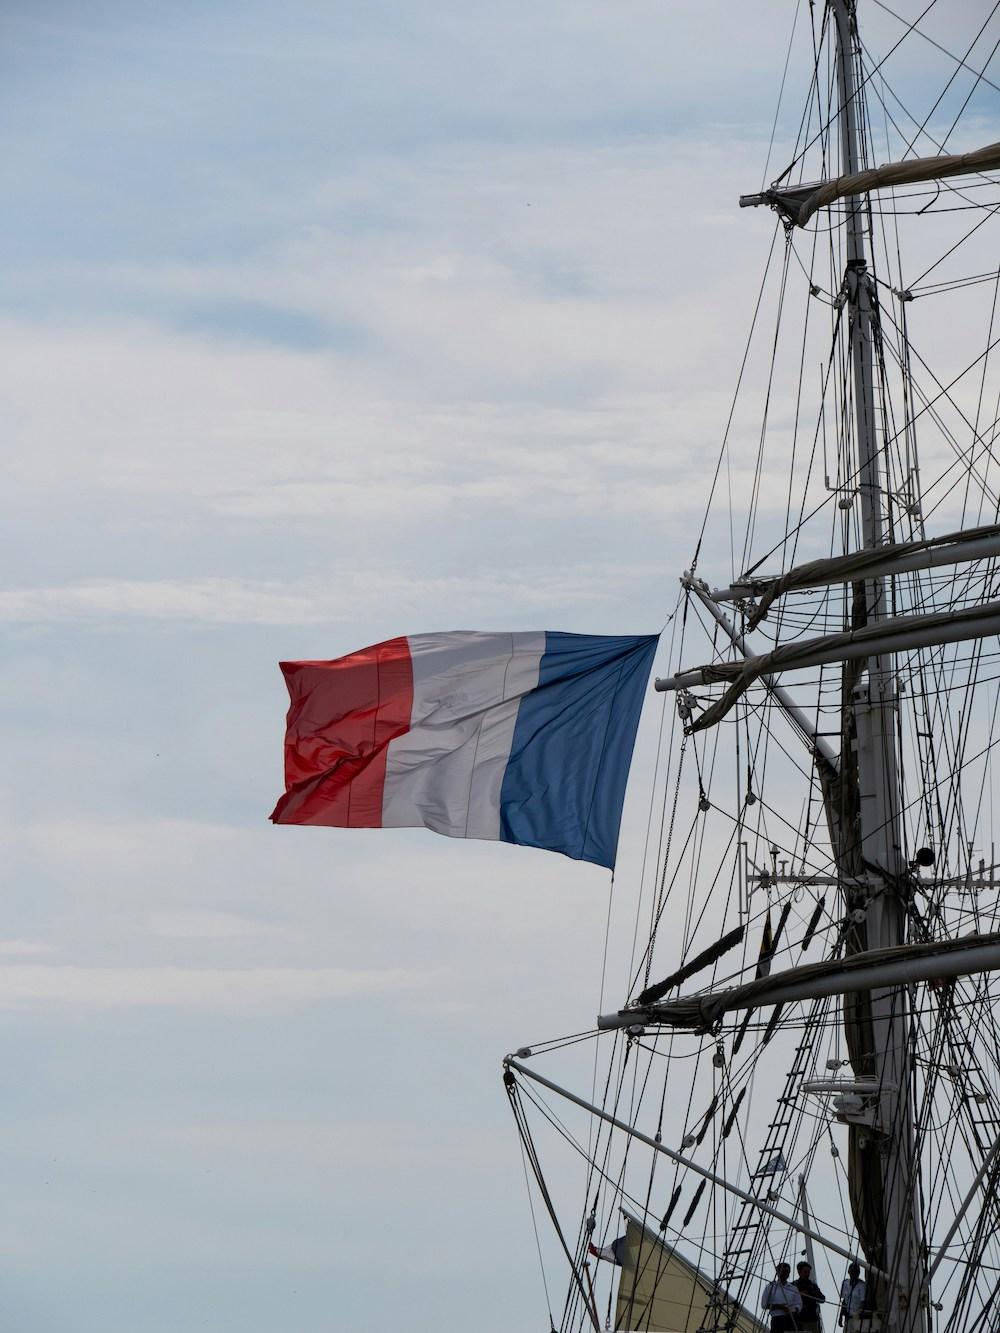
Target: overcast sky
{"points": [[323, 323]]}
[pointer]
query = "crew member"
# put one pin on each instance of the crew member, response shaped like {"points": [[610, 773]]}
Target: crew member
{"points": [[782, 1301], [853, 1298], [812, 1298]]}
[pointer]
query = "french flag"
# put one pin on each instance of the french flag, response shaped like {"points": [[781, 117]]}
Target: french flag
{"points": [[524, 738]]}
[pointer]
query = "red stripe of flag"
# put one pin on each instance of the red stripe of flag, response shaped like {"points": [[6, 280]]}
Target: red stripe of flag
{"points": [[342, 716]]}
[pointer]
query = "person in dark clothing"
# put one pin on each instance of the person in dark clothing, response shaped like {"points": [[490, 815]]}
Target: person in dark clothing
{"points": [[812, 1298]]}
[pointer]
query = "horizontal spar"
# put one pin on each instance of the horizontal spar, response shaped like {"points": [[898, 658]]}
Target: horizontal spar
{"points": [[953, 548], [899, 634], [879, 969], [800, 203]]}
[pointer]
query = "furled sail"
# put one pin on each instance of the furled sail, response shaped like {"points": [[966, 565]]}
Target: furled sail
{"points": [[801, 203], [871, 640], [660, 1291], [907, 964], [871, 561]]}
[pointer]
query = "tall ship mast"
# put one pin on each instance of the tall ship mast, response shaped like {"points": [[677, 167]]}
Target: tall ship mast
{"points": [[806, 1064]]}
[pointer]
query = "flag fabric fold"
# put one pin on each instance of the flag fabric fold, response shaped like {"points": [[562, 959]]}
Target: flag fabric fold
{"points": [[524, 737], [774, 1166], [613, 1253]]}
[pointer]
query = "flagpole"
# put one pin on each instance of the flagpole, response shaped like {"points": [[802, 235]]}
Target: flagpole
{"points": [[593, 1301], [804, 1210]]}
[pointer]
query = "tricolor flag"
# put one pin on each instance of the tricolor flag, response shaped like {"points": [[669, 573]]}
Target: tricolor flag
{"points": [[613, 1253], [524, 738]]}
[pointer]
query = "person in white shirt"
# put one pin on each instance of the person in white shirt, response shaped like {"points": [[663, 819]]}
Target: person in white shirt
{"points": [[853, 1297], [782, 1301]]}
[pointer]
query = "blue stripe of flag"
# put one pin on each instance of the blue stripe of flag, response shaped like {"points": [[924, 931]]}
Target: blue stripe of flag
{"points": [[564, 786]]}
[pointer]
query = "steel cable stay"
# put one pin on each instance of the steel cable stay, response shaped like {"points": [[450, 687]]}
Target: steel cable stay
{"points": [[588, 1221], [945, 1031], [980, 75], [635, 1104], [936, 45], [524, 1133], [602, 1170], [815, 871], [781, 90], [826, 863], [625, 1052], [936, 785], [940, 145], [632, 1132], [682, 625], [758, 465], [642, 1266], [742, 830], [538, 1243], [851, 478], [965, 457], [538, 1101], [835, 116], [682, 603]]}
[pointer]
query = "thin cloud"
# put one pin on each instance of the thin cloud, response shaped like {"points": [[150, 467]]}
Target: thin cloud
{"points": [[24, 948], [239, 990], [218, 926], [241, 601]]}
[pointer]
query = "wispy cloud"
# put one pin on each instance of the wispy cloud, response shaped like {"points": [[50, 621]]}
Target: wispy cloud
{"points": [[24, 948], [313, 602], [239, 990], [217, 926]]}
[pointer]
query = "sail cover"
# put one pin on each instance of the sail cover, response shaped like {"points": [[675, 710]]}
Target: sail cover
{"points": [[659, 1290], [856, 565], [523, 738], [910, 172], [880, 636], [904, 964]]}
